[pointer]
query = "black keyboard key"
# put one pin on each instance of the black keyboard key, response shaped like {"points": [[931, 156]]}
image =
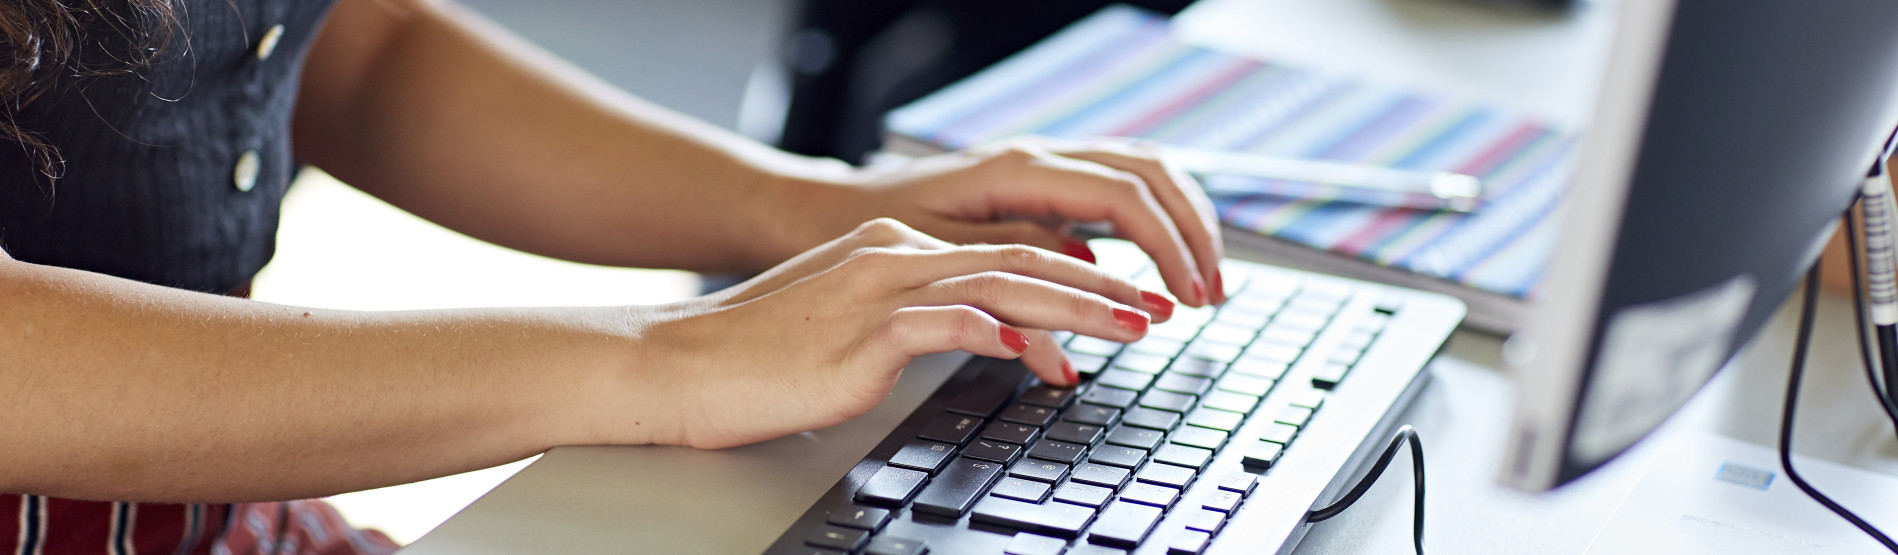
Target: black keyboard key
{"points": [[1038, 470], [1083, 494], [1262, 455], [1110, 397], [992, 451], [1279, 433], [1034, 544], [1205, 521], [1151, 419], [1199, 437], [1296, 416], [1198, 367], [1099, 475], [951, 493], [1123, 524], [1115, 455], [1215, 419], [1150, 494], [1021, 490], [1181, 383], [891, 486], [1229, 401], [927, 456], [1047, 396], [1124, 379], [1141, 362], [1092, 414], [1023, 413], [1166, 475], [1188, 542], [1075, 432], [1058, 451], [1261, 367], [989, 390], [847, 539], [951, 428], [1224, 501], [887, 545], [859, 516], [1182, 455], [1138, 438], [1019, 434], [1246, 385], [1241, 482], [1168, 401], [1054, 519]]}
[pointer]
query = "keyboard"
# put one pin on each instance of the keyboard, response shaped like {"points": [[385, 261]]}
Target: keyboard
{"points": [[1215, 433]]}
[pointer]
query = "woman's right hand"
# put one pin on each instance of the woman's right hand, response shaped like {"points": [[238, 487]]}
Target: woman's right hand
{"points": [[822, 338]]}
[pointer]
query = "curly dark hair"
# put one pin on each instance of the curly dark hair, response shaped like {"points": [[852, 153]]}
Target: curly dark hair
{"points": [[46, 44]]}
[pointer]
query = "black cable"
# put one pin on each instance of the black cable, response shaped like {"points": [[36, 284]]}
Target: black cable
{"points": [[1801, 344], [1404, 434], [1858, 319]]}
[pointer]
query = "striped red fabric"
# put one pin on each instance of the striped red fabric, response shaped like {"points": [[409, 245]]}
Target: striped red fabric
{"points": [[39, 525]]}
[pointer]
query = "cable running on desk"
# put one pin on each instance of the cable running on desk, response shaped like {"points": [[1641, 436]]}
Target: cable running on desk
{"points": [[1403, 434]]}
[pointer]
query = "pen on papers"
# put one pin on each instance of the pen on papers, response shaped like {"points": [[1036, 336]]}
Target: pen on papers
{"points": [[1430, 190]]}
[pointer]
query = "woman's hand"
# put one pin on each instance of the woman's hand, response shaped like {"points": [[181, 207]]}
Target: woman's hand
{"points": [[1029, 191], [822, 337]]}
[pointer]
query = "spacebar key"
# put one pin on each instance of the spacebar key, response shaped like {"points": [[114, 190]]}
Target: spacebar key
{"points": [[1056, 519]]}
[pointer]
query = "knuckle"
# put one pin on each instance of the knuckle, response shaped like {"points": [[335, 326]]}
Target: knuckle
{"points": [[988, 288], [882, 231], [1019, 258]]}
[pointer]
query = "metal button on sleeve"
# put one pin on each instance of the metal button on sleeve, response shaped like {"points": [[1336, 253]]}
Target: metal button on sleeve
{"points": [[268, 44], [244, 176]]}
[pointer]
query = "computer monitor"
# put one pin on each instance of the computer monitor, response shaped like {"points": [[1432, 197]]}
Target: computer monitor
{"points": [[1729, 136]]}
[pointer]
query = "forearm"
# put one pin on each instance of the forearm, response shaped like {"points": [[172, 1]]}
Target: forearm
{"points": [[128, 391], [452, 118]]}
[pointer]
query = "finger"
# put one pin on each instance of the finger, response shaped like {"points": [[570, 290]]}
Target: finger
{"points": [[920, 330], [923, 268], [1013, 233], [1045, 359], [1088, 191], [1033, 303], [1179, 194]]}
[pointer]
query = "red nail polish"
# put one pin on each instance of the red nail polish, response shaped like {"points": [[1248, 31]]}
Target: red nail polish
{"points": [[1219, 283], [1199, 290], [1014, 340], [1078, 249], [1067, 370], [1131, 320], [1157, 304]]}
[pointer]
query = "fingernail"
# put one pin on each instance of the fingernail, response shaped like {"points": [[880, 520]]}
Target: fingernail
{"points": [[1078, 249], [1131, 320], [1067, 369], [1219, 284], [1157, 304], [1014, 340], [1199, 290]]}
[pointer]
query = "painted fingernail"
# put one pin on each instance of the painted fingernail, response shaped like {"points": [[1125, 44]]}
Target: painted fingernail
{"points": [[1133, 321], [1078, 249], [1219, 284], [1157, 305], [1014, 340], [1199, 290], [1067, 370]]}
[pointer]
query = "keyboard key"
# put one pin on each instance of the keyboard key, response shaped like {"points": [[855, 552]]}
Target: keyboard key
{"points": [[1138, 438], [1280, 335], [1181, 383], [1158, 346], [1150, 494], [1168, 401], [1199, 437], [1094, 346], [1243, 319], [1021, 490], [1087, 365], [1115, 455], [847, 539], [1124, 379], [1047, 396], [1344, 356], [1327, 377], [1182, 455], [1123, 524], [1142, 363], [1032, 544], [1308, 398], [1229, 402], [1054, 519], [1197, 367], [1188, 542], [1296, 416], [953, 429], [1256, 305], [1279, 432], [1057, 451], [859, 516], [1213, 351], [951, 493], [1204, 520], [1357, 340], [1166, 475], [1083, 494], [989, 391], [1230, 335], [1019, 434], [1092, 414], [992, 451], [1262, 454], [927, 456], [1181, 332], [1300, 319], [1038, 470], [1214, 418], [1241, 482], [1023, 413], [1373, 323], [1075, 432], [887, 545], [1261, 367], [891, 486], [1110, 397], [1224, 501], [1153, 419], [1246, 385], [1099, 475]]}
